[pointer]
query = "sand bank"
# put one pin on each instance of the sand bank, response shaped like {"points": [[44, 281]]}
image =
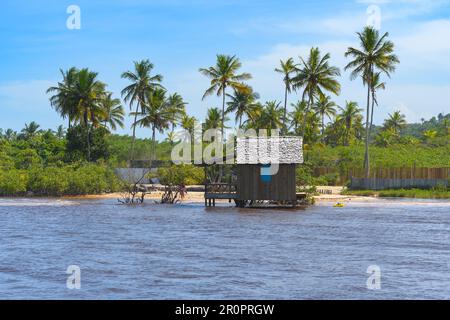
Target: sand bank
{"points": [[198, 197]]}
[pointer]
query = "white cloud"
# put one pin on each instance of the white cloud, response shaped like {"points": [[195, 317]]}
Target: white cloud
{"points": [[26, 95], [426, 46], [26, 101], [344, 22], [341, 25], [416, 101], [423, 50]]}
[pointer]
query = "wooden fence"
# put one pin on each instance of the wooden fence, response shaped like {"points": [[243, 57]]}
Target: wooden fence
{"points": [[389, 178], [398, 183], [387, 173]]}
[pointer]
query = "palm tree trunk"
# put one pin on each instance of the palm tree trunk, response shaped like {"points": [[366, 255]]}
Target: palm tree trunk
{"points": [[304, 117], [153, 156], [88, 138], [134, 136], [171, 134], [371, 116], [366, 155], [222, 131], [323, 127], [285, 108], [223, 114], [88, 141], [348, 127]]}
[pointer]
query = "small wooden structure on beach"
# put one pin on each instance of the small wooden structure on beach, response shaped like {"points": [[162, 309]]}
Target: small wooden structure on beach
{"points": [[265, 173]]}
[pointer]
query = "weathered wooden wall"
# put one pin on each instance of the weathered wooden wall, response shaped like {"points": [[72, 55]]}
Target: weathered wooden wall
{"points": [[387, 173], [250, 185]]}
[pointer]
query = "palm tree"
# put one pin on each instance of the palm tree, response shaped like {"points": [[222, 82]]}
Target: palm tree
{"points": [[10, 135], [429, 134], [87, 95], [154, 115], [287, 68], [79, 97], [224, 75], [176, 108], [298, 114], [253, 115], [376, 53], [188, 124], [60, 132], [349, 116], [171, 137], [312, 128], [377, 85], [214, 119], [61, 100], [141, 83], [385, 137], [271, 117], [317, 77], [113, 113], [240, 103], [395, 121], [325, 107], [30, 130]]}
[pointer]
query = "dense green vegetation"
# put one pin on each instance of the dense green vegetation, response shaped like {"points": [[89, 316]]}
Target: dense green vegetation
{"points": [[398, 155], [57, 181], [37, 162], [119, 149], [181, 175], [436, 193], [80, 159]]}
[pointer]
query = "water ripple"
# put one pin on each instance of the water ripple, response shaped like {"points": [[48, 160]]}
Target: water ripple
{"points": [[189, 252]]}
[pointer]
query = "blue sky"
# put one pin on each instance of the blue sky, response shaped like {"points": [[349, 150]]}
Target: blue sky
{"points": [[179, 36]]}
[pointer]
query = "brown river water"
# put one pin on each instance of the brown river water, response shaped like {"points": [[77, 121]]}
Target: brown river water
{"points": [[192, 252]]}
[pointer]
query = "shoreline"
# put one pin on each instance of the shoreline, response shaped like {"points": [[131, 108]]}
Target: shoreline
{"points": [[198, 197]]}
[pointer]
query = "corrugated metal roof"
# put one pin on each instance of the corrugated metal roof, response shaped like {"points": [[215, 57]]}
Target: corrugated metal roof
{"points": [[265, 150]]}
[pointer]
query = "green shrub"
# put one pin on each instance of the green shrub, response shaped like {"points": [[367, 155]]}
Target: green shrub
{"points": [[181, 174], [92, 179], [13, 182], [6, 161], [303, 176], [402, 193], [49, 181], [57, 181], [27, 158], [77, 148], [439, 188]]}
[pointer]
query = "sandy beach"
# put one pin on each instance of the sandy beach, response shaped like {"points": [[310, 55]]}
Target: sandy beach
{"points": [[198, 196]]}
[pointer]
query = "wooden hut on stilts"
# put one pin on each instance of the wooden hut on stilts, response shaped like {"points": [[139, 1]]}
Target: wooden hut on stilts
{"points": [[264, 173]]}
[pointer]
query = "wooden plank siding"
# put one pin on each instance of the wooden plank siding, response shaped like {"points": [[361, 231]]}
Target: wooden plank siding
{"points": [[281, 187], [387, 173], [398, 183]]}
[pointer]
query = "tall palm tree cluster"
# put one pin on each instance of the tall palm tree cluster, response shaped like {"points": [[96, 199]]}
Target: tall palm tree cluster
{"points": [[152, 107], [315, 79], [374, 57], [82, 98]]}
